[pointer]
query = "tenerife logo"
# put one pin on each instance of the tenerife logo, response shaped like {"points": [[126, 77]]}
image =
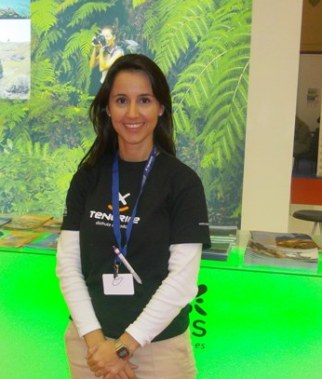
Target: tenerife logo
{"points": [[198, 314], [122, 200], [106, 218]]}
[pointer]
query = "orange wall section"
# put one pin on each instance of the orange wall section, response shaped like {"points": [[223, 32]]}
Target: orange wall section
{"points": [[311, 37]]}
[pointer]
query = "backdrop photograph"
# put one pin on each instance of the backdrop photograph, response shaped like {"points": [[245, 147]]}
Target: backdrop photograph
{"points": [[202, 47]]}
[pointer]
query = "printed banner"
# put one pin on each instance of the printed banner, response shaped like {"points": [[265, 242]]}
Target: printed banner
{"points": [[15, 37]]}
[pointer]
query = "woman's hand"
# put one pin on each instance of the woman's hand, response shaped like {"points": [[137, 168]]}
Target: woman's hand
{"points": [[103, 361], [128, 372]]}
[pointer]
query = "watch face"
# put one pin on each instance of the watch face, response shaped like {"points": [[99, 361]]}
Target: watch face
{"points": [[123, 352]]}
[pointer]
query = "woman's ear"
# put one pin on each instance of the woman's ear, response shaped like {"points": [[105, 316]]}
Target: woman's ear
{"points": [[108, 112], [161, 111]]}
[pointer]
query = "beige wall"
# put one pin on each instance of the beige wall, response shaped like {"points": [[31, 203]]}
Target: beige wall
{"points": [[274, 64]]}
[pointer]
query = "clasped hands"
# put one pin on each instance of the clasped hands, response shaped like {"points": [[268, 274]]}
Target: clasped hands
{"points": [[103, 362]]}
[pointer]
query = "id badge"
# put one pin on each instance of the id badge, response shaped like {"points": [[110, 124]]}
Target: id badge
{"points": [[122, 284]]}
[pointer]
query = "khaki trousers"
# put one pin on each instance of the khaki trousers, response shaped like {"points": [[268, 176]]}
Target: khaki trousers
{"points": [[169, 359]]}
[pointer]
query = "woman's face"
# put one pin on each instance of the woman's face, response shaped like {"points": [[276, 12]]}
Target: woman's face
{"points": [[134, 112], [109, 36]]}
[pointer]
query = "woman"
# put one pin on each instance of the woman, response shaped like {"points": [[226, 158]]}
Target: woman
{"points": [[105, 51], [131, 196]]}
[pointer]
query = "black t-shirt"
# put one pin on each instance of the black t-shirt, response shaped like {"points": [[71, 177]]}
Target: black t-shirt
{"points": [[171, 210]]}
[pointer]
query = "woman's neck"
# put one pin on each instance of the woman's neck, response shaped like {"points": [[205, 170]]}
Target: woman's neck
{"points": [[132, 154]]}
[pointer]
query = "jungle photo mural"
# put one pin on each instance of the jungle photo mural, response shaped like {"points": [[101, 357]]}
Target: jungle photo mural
{"points": [[201, 45]]}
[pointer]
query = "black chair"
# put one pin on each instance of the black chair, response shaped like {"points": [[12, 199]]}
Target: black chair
{"points": [[314, 216], [311, 156]]}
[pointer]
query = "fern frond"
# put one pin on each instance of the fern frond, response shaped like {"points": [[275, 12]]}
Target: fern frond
{"points": [[43, 73], [136, 3], [87, 9], [12, 113], [181, 118], [44, 45], [82, 80], [79, 43], [183, 26], [65, 4], [43, 15]]}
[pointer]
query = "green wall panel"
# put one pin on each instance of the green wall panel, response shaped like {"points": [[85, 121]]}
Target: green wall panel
{"points": [[245, 325]]}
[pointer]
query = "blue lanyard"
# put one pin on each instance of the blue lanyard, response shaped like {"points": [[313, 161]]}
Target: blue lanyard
{"points": [[115, 199]]}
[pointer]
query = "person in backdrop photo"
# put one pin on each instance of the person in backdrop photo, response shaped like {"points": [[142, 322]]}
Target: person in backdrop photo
{"points": [[132, 235], [105, 51], [302, 137]]}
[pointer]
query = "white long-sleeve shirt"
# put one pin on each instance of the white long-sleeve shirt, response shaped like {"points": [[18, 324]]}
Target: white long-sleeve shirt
{"points": [[175, 292]]}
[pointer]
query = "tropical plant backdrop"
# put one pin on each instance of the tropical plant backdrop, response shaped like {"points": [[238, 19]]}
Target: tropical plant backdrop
{"points": [[201, 45]]}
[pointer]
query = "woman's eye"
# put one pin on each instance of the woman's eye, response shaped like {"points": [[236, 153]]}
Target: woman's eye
{"points": [[145, 100], [121, 100]]}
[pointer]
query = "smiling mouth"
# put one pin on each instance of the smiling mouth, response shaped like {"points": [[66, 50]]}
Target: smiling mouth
{"points": [[134, 126]]}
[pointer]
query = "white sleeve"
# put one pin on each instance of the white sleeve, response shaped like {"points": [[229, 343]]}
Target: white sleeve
{"points": [[174, 293], [72, 283]]}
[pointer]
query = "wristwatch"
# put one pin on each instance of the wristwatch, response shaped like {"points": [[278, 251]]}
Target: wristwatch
{"points": [[121, 350]]}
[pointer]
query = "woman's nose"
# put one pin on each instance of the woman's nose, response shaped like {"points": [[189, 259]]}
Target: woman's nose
{"points": [[132, 110]]}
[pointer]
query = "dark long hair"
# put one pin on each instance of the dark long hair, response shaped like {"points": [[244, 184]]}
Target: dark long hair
{"points": [[106, 137]]}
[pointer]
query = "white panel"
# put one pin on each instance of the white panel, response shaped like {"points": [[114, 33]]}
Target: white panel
{"points": [[274, 63]]}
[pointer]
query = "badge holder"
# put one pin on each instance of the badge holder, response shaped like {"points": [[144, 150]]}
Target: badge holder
{"points": [[118, 284]]}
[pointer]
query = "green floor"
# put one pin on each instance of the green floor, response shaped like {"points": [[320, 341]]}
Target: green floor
{"points": [[247, 325]]}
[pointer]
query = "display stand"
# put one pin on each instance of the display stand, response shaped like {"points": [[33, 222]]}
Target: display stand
{"points": [[244, 322], [257, 322]]}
